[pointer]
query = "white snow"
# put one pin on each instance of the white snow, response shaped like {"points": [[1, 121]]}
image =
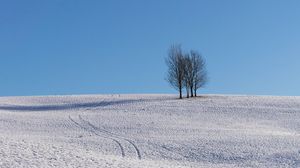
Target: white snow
{"points": [[149, 131]]}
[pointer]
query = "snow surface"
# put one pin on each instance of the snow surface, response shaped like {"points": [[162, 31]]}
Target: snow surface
{"points": [[149, 131]]}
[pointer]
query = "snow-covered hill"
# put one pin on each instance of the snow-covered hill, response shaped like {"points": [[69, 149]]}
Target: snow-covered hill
{"points": [[149, 131]]}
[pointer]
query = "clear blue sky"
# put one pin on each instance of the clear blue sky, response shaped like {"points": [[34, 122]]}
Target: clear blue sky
{"points": [[109, 46]]}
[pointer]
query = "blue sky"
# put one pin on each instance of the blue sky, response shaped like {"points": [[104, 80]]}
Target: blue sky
{"points": [[108, 46]]}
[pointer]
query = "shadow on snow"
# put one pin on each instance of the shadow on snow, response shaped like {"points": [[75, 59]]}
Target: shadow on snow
{"points": [[55, 107]]}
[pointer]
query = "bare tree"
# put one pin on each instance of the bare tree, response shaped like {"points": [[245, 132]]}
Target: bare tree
{"points": [[176, 66], [199, 71], [188, 74], [186, 70]]}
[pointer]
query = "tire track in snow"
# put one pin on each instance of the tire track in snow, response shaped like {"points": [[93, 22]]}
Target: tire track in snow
{"points": [[166, 149], [102, 136], [113, 135]]}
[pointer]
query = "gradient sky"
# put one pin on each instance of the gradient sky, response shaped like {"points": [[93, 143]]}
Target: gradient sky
{"points": [[108, 46]]}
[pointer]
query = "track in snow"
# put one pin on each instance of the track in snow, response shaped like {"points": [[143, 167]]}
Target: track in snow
{"points": [[102, 136], [87, 126], [113, 135]]}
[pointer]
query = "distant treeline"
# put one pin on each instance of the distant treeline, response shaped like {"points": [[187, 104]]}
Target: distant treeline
{"points": [[185, 70]]}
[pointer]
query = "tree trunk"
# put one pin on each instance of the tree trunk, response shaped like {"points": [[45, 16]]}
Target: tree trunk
{"points": [[180, 93], [192, 95], [187, 92], [195, 92]]}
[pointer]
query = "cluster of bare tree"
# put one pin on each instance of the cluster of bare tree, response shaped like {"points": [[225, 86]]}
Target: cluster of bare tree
{"points": [[185, 70]]}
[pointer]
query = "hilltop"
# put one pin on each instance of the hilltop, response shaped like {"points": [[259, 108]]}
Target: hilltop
{"points": [[149, 131]]}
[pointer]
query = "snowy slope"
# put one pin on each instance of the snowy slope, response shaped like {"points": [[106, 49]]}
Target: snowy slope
{"points": [[149, 131]]}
